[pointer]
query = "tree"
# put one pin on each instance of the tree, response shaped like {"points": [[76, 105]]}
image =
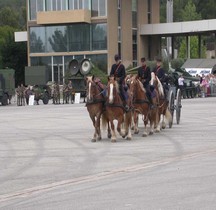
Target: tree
{"points": [[189, 13], [14, 55], [9, 17], [194, 53]]}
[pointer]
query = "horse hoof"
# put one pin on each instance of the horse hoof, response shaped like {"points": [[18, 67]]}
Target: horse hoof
{"points": [[99, 138], [132, 128], [136, 132], [123, 136], [163, 127], [157, 131], [151, 133], [93, 140], [145, 135], [129, 138], [113, 140], [109, 136]]}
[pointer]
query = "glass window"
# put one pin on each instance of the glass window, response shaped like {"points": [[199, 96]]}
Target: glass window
{"points": [[32, 9], [37, 39], [99, 60], [86, 4], [102, 7], [49, 5], [58, 5], [56, 39], [99, 8], [64, 4], [95, 8], [79, 37], [40, 5], [76, 3], [80, 4], [99, 36]]}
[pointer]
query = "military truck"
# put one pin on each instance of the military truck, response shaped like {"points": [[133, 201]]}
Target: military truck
{"points": [[7, 86], [37, 76]]}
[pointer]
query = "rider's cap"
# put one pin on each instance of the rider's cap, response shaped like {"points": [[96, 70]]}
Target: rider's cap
{"points": [[117, 57]]}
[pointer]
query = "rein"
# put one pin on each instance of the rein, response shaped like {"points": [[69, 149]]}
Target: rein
{"points": [[96, 100]]}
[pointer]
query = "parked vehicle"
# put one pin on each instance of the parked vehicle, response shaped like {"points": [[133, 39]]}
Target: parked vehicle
{"points": [[7, 86], [37, 76]]}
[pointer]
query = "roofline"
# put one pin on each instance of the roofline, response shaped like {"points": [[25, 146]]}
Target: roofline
{"points": [[180, 28]]}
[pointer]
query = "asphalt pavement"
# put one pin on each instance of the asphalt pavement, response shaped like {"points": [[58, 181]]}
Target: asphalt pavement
{"points": [[48, 161]]}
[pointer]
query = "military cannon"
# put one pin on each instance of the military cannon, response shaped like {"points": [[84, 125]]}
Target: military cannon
{"points": [[190, 89]]}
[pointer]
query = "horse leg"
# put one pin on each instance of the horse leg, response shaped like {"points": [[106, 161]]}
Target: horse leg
{"points": [[95, 131], [109, 135], [163, 122], [113, 138], [97, 127], [145, 132], [120, 122], [136, 117], [128, 125]]}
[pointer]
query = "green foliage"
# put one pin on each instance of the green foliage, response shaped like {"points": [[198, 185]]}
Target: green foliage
{"points": [[9, 17], [189, 13], [194, 53], [14, 55], [99, 73], [177, 63]]}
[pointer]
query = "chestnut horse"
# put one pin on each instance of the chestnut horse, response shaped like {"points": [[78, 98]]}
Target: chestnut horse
{"points": [[116, 111], [163, 103], [141, 106], [95, 106]]}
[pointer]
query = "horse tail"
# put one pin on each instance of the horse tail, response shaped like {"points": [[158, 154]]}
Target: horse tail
{"points": [[104, 120], [168, 115]]}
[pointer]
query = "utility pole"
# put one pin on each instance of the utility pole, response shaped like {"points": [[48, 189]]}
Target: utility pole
{"points": [[169, 18]]}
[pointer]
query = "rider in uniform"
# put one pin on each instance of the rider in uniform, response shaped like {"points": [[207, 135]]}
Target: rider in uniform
{"points": [[160, 73], [144, 75], [118, 71]]}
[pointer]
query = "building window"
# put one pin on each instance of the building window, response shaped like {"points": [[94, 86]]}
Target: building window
{"points": [[99, 36], [32, 9], [79, 37], [37, 40], [99, 8], [79, 4]]}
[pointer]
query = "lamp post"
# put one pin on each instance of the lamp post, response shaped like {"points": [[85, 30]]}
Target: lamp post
{"points": [[169, 18]]}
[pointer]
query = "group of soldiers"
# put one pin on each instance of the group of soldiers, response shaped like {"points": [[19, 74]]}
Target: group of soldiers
{"points": [[23, 93], [144, 75], [67, 93]]}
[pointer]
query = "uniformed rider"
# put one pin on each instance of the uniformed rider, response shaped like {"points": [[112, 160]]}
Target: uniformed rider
{"points": [[118, 71], [160, 73], [144, 75]]}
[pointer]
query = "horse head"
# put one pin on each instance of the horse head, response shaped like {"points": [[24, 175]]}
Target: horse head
{"points": [[112, 89], [91, 88], [136, 88]]}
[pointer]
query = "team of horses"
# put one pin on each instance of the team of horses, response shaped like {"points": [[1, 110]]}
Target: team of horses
{"points": [[106, 108]]}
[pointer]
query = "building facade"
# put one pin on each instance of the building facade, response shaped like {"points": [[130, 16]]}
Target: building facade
{"points": [[62, 30]]}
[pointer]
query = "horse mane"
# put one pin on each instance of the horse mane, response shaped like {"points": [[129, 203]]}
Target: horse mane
{"points": [[117, 86], [160, 87], [141, 86], [153, 78], [135, 78]]}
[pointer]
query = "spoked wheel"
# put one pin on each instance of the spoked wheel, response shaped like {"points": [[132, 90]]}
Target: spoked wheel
{"points": [[171, 107], [178, 106]]}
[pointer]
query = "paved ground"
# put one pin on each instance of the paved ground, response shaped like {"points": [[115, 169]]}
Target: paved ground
{"points": [[47, 161]]}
